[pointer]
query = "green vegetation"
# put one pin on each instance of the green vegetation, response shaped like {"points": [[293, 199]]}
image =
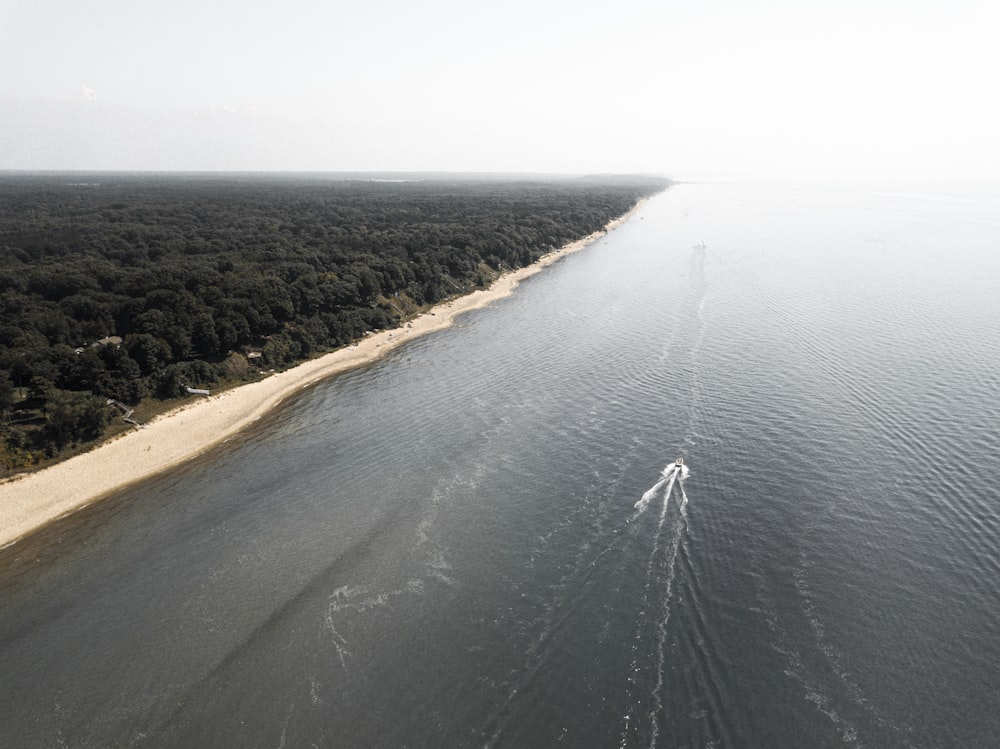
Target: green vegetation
{"points": [[129, 288]]}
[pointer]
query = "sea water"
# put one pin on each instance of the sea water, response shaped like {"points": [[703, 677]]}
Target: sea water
{"points": [[478, 541]]}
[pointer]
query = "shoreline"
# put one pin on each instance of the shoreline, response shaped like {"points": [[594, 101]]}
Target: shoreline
{"points": [[31, 501]]}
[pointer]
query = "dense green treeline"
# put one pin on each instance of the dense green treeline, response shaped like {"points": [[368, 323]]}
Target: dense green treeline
{"points": [[130, 287]]}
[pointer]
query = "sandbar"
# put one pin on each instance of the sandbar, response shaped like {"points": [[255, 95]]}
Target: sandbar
{"points": [[30, 501]]}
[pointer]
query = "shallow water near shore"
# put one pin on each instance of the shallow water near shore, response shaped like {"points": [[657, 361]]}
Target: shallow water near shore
{"points": [[444, 548]]}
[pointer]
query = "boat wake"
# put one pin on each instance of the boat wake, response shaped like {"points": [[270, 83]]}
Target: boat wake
{"points": [[659, 586], [670, 474]]}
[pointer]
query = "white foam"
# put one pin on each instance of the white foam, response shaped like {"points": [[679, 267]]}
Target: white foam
{"points": [[647, 497]]}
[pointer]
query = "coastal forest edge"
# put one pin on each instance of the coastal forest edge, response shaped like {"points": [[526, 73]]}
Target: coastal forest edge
{"points": [[121, 293]]}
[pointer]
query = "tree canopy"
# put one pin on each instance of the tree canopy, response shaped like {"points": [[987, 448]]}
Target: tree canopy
{"points": [[128, 287]]}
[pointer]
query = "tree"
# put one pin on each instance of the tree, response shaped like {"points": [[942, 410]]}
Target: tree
{"points": [[86, 370], [149, 352], [6, 394], [74, 416], [204, 339]]}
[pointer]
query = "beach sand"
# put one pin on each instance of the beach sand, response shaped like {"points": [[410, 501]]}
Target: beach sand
{"points": [[31, 501]]}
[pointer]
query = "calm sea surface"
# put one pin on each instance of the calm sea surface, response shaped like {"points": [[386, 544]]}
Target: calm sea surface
{"points": [[445, 549]]}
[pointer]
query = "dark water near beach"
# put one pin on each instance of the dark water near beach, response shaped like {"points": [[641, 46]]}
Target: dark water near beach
{"points": [[443, 550]]}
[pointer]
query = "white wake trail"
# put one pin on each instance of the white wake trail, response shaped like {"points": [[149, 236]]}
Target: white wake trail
{"points": [[666, 501], [643, 503], [669, 475], [662, 634], [671, 561], [669, 478]]}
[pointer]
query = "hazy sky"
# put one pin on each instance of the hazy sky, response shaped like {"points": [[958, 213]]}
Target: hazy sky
{"points": [[709, 88]]}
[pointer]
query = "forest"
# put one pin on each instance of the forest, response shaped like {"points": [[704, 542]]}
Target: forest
{"points": [[120, 292]]}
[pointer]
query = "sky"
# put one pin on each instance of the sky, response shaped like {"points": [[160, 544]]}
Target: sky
{"points": [[702, 89]]}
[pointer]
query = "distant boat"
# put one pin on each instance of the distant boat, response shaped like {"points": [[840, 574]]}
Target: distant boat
{"points": [[680, 469]]}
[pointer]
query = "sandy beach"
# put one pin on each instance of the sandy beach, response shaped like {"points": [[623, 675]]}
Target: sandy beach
{"points": [[30, 501]]}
